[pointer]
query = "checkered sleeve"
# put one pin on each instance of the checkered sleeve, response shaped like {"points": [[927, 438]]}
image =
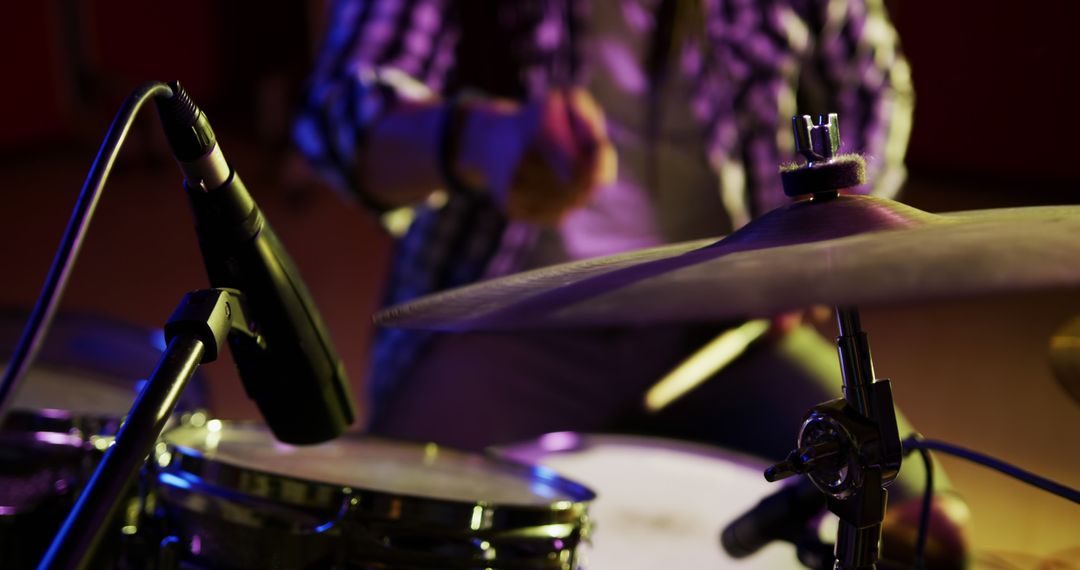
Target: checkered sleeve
{"points": [[856, 69], [375, 54]]}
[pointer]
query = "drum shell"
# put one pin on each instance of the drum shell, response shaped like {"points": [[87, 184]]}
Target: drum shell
{"points": [[46, 459], [38, 483]]}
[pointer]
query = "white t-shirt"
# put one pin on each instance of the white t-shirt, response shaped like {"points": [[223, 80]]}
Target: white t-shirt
{"points": [[681, 202]]}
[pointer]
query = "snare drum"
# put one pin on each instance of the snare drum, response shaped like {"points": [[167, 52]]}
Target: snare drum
{"points": [[660, 503], [229, 496]]}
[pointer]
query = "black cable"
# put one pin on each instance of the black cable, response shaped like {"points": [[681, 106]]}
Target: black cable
{"points": [[41, 318], [996, 464], [924, 515]]}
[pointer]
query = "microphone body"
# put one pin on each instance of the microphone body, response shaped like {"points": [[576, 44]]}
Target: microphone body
{"points": [[784, 515], [289, 367]]}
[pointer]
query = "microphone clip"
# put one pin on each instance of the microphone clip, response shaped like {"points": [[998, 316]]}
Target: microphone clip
{"points": [[214, 315]]}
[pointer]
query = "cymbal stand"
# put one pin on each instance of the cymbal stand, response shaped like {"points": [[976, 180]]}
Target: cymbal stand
{"points": [[195, 334], [848, 447]]}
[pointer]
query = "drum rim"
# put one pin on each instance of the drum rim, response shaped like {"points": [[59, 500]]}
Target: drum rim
{"points": [[60, 420], [57, 427], [190, 470]]}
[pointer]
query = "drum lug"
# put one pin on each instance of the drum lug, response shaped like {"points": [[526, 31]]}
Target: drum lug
{"points": [[168, 557]]}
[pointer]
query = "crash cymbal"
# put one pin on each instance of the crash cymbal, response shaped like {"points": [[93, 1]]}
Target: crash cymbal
{"points": [[850, 250]]}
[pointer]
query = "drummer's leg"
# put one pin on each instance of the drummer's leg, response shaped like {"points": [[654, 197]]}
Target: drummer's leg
{"points": [[473, 390]]}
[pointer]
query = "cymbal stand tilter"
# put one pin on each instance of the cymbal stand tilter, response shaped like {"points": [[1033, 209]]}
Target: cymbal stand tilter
{"points": [[850, 447]]}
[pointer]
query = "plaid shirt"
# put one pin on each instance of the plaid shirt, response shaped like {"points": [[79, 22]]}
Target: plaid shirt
{"points": [[762, 60]]}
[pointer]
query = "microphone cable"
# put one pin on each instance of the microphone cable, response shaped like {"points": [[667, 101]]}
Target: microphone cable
{"points": [[37, 326], [909, 445], [917, 443]]}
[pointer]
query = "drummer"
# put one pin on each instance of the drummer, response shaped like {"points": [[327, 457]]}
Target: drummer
{"points": [[496, 125]]}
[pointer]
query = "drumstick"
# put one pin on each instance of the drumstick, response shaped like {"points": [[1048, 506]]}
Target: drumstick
{"points": [[704, 364]]}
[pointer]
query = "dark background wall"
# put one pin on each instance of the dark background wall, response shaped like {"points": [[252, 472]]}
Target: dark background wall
{"points": [[994, 114]]}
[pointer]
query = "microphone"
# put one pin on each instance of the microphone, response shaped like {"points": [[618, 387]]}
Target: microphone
{"points": [[288, 366], [784, 515]]}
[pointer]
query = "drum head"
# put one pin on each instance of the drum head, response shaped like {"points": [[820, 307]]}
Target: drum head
{"points": [[660, 503], [89, 366], [374, 465]]}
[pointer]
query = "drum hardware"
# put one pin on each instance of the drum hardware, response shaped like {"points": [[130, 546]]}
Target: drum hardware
{"points": [[194, 334], [168, 553], [850, 449]]}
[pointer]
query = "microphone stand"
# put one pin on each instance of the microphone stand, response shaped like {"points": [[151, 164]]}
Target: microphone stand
{"points": [[195, 333]]}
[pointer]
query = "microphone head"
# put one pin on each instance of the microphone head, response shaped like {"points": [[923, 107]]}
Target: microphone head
{"points": [[784, 515]]}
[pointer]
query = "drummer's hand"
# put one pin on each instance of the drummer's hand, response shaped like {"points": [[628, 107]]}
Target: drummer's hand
{"points": [[541, 159], [780, 325], [818, 316]]}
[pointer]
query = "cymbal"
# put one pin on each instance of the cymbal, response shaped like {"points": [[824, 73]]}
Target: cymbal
{"points": [[850, 250]]}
